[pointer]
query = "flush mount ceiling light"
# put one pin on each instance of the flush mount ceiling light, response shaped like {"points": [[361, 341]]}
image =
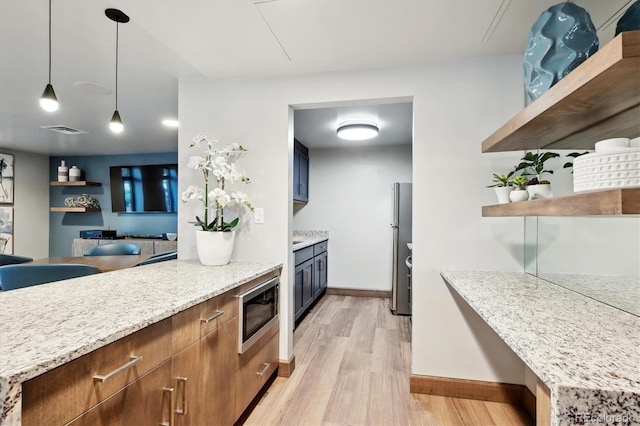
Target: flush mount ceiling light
{"points": [[357, 130], [118, 17], [48, 100]]}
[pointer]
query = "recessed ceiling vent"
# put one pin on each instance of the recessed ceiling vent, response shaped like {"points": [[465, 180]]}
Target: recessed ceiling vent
{"points": [[65, 130]]}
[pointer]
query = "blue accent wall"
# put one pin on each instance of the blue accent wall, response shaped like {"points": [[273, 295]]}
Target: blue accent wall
{"points": [[64, 227]]}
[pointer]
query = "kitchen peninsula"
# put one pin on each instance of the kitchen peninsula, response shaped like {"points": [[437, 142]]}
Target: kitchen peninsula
{"points": [[168, 309], [584, 352]]}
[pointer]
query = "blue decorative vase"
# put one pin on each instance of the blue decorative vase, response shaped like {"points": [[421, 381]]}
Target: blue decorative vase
{"points": [[630, 21], [561, 39]]}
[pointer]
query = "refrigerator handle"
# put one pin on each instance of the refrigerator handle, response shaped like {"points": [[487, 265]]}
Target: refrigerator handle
{"points": [[395, 205]]}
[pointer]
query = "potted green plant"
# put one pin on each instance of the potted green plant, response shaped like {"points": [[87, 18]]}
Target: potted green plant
{"points": [[533, 165], [520, 192], [216, 238], [503, 185]]}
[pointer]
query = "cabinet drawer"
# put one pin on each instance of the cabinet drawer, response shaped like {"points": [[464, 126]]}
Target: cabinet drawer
{"points": [[201, 319], [255, 373], [63, 393], [303, 255], [144, 402], [320, 248]]}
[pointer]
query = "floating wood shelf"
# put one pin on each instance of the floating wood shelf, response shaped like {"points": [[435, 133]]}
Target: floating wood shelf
{"points": [[74, 209], [598, 100], [609, 202], [75, 183]]}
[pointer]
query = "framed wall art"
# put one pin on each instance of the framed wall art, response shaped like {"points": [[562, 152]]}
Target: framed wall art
{"points": [[6, 178], [6, 229]]}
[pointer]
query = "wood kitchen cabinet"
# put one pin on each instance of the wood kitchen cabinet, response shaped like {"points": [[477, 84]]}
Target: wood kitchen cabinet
{"points": [[203, 378], [300, 173], [182, 370]]}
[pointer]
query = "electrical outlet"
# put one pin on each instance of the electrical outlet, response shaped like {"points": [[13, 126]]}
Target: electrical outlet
{"points": [[258, 215]]}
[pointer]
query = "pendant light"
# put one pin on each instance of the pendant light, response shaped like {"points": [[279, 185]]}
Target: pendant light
{"points": [[48, 100], [118, 17]]}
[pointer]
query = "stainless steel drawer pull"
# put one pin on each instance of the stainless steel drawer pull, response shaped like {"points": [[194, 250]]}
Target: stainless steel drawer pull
{"points": [[211, 318], [264, 370], [103, 378], [166, 390], [182, 410]]}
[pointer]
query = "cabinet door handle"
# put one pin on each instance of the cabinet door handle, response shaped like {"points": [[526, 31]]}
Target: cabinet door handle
{"points": [[166, 390], [103, 378], [182, 410], [264, 370], [212, 317], [322, 264], [305, 277]]}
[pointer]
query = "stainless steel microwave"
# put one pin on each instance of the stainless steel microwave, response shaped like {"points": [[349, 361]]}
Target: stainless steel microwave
{"points": [[258, 311]]}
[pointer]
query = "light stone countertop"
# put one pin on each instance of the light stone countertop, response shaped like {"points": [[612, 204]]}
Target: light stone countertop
{"points": [[311, 237], [51, 324], [586, 352]]}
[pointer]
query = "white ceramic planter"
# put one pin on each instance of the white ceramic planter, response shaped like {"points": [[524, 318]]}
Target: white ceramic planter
{"points": [[539, 191], [502, 192], [215, 248], [518, 195]]}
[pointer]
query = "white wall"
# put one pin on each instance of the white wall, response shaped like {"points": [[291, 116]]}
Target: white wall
{"points": [[456, 105], [350, 196], [31, 204]]}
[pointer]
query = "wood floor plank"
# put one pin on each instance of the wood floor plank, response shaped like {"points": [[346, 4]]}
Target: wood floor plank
{"points": [[353, 361]]}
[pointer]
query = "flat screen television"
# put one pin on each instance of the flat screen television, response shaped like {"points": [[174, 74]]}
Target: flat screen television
{"points": [[144, 189]]}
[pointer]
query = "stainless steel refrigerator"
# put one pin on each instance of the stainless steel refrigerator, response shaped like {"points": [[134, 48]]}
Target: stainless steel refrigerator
{"points": [[401, 226]]}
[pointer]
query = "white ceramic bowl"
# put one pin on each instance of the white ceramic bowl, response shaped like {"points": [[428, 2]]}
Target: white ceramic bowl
{"points": [[609, 145], [171, 236]]}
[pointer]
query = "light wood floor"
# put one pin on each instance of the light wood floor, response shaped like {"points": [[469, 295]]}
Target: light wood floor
{"points": [[353, 360]]}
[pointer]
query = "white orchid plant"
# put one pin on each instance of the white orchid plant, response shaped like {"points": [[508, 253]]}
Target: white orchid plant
{"points": [[218, 168]]}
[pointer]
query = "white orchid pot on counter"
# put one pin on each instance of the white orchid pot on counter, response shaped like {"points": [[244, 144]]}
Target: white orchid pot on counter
{"points": [[216, 238]]}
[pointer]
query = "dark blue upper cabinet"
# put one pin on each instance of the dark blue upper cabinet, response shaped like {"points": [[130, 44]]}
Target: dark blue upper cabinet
{"points": [[300, 173]]}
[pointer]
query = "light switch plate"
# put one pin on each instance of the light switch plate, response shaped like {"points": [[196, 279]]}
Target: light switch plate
{"points": [[258, 213]]}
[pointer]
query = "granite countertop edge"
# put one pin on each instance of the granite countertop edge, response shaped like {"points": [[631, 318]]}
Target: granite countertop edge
{"points": [[581, 378], [43, 364]]}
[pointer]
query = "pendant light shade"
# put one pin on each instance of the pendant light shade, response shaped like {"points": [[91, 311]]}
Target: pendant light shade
{"points": [[118, 17], [115, 124], [48, 100]]}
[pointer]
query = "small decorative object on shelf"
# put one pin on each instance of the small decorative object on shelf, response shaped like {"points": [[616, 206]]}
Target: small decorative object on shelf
{"points": [[630, 21], [86, 200], [561, 39], [216, 238], [615, 164], [503, 186], [520, 193], [533, 165], [70, 202], [74, 173], [63, 172]]}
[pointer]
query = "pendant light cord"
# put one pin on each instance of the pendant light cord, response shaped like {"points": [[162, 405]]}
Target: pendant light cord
{"points": [[117, 44], [49, 41]]}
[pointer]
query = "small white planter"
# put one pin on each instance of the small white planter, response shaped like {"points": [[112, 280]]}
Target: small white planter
{"points": [[539, 191], [215, 248], [518, 195], [502, 192]]}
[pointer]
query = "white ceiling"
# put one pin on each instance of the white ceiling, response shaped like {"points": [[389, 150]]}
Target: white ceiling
{"points": [[166, 39]]}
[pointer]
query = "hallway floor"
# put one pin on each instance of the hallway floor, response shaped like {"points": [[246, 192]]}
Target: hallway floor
{"points": [[353, 360]]}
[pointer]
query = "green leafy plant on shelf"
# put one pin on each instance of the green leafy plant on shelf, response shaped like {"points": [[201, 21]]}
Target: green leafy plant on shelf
{"points": [[502, 180], [533, 165], [520, 182]]}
